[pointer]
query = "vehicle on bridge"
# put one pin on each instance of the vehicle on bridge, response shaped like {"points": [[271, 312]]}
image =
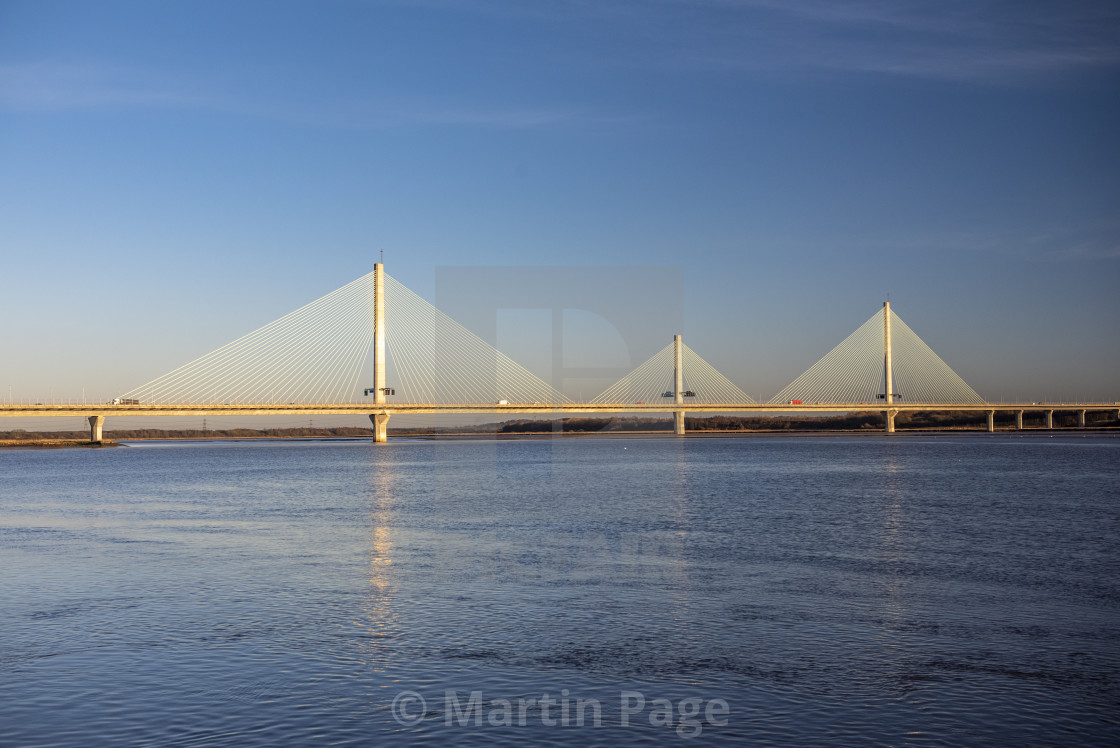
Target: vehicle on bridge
{"points": [[125, 401]]}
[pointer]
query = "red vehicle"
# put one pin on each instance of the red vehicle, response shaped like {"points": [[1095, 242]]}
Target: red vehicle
{"points": [[796, 402]]}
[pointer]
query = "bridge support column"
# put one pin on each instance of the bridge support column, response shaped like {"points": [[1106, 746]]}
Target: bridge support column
{"points": [[991, 421], [1081, 418], [678, 384], [888, 421], [1049, 419], [95, 424], [380, 423], [1019, 420]]}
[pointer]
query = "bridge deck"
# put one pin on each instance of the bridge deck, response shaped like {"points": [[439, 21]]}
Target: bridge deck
{"points": [[284, 409]]}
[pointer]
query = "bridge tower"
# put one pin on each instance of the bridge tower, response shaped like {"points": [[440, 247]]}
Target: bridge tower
{"points": [[380, 419], [888, 395], [678, 385]]}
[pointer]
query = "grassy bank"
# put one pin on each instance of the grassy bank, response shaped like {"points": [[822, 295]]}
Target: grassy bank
{"points": [[34, 443]]}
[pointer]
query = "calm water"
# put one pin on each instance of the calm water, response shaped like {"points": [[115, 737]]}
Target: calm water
{"points": [[799, 591]]}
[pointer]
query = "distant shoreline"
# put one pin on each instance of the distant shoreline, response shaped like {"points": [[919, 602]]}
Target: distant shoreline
{"points": [[539, 436], [850, 424]]}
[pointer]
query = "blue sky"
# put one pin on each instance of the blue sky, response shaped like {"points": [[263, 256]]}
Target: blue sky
{"points": [[175, 174]]}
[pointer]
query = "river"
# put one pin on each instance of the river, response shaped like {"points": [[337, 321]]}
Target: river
{"points": [[919, 590]]}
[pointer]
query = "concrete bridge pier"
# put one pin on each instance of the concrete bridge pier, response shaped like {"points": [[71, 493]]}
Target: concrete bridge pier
{"points": [[678, 384], [991, 421], [1081, 418], [1049, 419], [95, 424], [888, 420], [380, 423], [1019, 420]]}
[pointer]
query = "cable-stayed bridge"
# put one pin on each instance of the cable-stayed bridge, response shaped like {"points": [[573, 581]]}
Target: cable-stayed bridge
{"points": [[313, 362]]}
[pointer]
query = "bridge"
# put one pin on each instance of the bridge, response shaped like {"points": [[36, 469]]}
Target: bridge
{"points": [[310, 362]]}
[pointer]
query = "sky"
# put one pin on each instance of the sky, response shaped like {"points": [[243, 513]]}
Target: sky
{"points": [[176, 174]]}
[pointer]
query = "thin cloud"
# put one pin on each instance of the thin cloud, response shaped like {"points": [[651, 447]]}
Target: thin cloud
{"points": [[1090, 252], [392, 110], [976, 40], [41, 87], [1040, 244], [46, 87], [399, 110]]}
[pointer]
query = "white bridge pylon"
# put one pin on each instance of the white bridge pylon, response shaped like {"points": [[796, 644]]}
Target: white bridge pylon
{"points": [[881, 363]]}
